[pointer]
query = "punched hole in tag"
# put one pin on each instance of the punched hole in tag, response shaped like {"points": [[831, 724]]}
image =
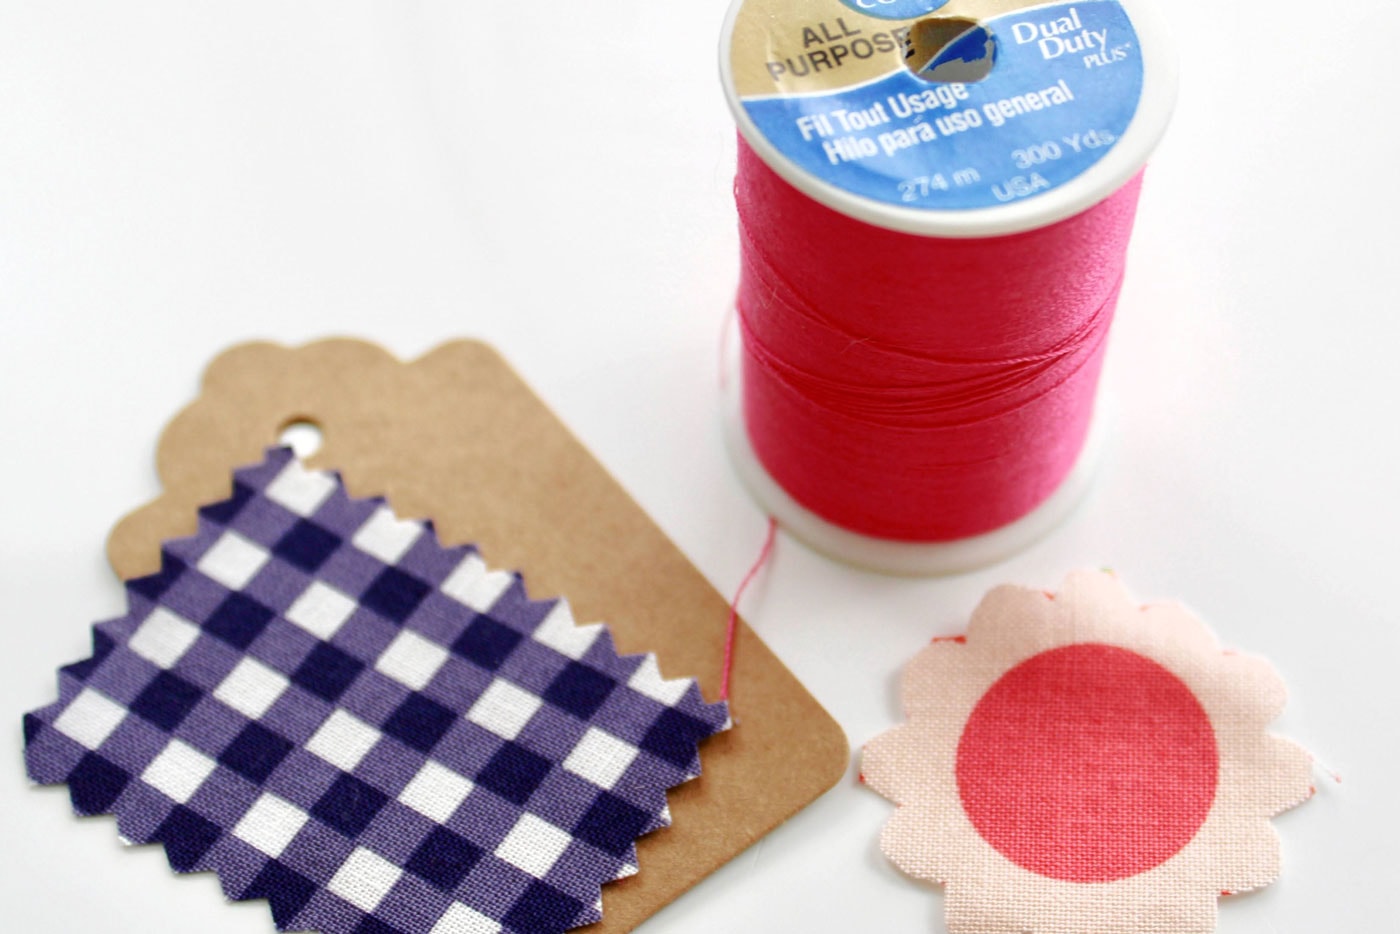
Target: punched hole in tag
{"points": [[302, 435]]}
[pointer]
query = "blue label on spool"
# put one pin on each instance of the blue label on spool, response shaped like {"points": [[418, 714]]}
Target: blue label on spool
{"points": [[1064, 82]]}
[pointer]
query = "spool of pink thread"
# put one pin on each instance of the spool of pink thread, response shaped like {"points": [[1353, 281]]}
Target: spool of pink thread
{"points": [[934, 214]]}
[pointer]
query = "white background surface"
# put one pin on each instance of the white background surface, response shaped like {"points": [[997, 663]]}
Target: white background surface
{"points": [[554, 177]]}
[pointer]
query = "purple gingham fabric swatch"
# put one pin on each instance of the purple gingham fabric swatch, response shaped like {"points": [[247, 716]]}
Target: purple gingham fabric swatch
{"points": [[377, 734]]}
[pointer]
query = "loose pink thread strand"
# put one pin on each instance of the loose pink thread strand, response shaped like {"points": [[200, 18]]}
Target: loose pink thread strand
{"points": [[733, 624]]}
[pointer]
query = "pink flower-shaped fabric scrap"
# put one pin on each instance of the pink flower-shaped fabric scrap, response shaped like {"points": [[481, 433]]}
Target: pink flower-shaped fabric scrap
{"points": [[1080, 764]]}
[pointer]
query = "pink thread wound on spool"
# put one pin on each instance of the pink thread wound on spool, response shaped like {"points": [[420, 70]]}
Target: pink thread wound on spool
{"points": [[934, 212], [920, 388]]}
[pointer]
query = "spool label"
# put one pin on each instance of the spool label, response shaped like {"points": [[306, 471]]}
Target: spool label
{"points": [[938, 104]]}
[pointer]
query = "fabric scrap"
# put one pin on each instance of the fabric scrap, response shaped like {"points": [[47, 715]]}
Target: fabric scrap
{"points": [[1080, 764], [378, 734]]}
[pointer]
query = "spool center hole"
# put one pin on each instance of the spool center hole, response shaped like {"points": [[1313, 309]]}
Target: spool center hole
{"points": [[944, 49]]}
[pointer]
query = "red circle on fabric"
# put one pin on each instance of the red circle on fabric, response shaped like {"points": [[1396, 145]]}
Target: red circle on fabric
{"points": [[1088, 763]]}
